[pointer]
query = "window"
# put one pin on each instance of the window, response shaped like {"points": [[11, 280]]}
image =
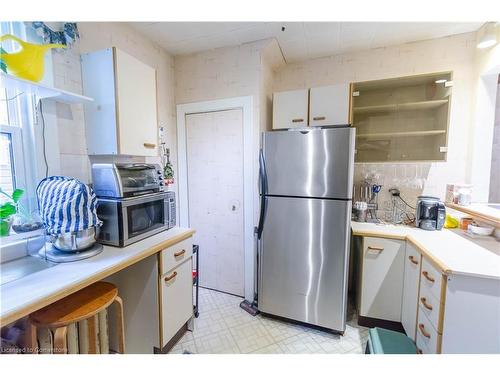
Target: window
{"points": [[16, 131], [495, 154], [11, 159]]}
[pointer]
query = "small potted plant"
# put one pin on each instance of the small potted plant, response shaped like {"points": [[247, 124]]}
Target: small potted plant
{"points": [[8, 209], [13, 214]]}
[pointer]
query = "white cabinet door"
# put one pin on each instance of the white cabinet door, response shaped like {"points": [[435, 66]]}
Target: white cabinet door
{"points": [[413, 261], [329, 105], [136, 97], [382, 278], [290, 109]]}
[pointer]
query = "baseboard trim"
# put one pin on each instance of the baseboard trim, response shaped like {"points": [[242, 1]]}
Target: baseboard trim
{"points": [[288, 320], [380, 323], [172, 341]]}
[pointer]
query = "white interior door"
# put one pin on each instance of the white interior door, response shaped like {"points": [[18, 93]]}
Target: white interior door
{"points": [[214, 142]]}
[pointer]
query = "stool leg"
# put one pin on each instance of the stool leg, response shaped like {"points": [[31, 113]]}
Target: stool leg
{"points": [[91, 329], [121, 324], [60, 346], [31, 338]]}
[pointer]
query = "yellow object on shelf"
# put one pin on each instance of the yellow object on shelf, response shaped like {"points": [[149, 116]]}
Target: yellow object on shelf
{"points": [[28, 63], [450, 222]]}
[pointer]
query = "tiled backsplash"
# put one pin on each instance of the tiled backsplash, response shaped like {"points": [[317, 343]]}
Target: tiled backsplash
{"points": [[410, 178]]}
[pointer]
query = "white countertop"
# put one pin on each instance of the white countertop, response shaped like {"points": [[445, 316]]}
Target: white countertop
{"points": [[30, 293], [454, 251]]}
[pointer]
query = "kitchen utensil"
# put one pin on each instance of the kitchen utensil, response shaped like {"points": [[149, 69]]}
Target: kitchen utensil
{"points": [[76, 241], [360, 209], [480, 230]]}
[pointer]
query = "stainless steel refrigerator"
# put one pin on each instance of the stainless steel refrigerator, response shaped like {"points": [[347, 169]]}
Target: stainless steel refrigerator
{"points": [[304, 228]]}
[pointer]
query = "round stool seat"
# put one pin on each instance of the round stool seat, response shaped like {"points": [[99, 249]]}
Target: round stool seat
{"points": [[77, 306]]}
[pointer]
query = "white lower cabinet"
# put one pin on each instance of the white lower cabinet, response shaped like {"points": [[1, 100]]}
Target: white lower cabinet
{"points": [[427, 336], [413, 261], [176, 288], [382, 278], [443, 312]]}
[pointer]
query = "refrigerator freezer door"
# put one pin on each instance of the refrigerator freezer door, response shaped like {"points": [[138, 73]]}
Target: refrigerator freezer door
{"points": [[310, 163], [303, 257]]}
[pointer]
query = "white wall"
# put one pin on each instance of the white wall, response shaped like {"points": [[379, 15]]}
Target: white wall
{"points": [[230, 72], [487, 69], [456, 53], [74, 161]]}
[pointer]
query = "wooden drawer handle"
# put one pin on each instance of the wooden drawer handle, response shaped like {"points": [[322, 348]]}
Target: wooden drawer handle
{"points": [[412, 259], [149, 145], [182, 252], [320, 118], [424, 302], [298, 120], [426, 275], [421, 327], [376, 248], [168, 278]]}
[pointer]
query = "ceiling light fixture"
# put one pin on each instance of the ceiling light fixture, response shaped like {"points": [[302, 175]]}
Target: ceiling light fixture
{"points": [[487, 35]]}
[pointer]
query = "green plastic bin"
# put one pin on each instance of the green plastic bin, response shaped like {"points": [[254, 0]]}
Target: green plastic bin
{"points": [[384, 341]]}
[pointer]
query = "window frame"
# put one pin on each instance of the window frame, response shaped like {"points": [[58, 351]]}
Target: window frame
{"points": [[16, 140]]}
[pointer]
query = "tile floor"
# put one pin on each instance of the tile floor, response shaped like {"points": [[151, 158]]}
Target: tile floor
{"points": [[223, 327]]}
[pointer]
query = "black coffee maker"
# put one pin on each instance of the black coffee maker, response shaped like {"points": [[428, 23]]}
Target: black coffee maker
{"points": [[431, 213]]}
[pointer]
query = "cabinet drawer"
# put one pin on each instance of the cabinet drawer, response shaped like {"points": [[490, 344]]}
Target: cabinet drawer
{"points": [[430, 306], [427, 336], [430, 280], [176, 288], [176, 254]]}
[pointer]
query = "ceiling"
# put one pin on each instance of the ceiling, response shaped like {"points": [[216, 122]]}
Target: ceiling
{"points": [[299, 40]]}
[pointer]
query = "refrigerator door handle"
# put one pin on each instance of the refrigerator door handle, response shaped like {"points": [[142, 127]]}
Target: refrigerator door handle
{"points": [[263, 192]]}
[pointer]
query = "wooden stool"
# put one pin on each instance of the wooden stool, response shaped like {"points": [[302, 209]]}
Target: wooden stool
{"points": [[82, 305]]}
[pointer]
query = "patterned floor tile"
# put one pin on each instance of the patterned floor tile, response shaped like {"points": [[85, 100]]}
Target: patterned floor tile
{"points": [[251, 336], [223, 327], [185, 344], [217, 343], [223, 300], [205, 301], [183, 348], [234, 316], [302, 343], [209, 322], [271, 349], [280, 330]]}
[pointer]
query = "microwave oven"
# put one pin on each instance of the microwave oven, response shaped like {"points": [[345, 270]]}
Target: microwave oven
{"points": [[128, 220]]}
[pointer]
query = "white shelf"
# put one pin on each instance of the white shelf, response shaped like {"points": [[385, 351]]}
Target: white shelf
{"points": [[426, 104], [418, 133], [41, 91]]}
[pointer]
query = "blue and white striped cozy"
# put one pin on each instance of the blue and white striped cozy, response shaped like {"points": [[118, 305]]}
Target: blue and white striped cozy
{"points": [[66, 205]]}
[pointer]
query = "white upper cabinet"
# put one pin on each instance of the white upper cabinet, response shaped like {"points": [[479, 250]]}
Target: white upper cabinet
{"points": [[329, 105], [290, 109], [123, 117]]}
